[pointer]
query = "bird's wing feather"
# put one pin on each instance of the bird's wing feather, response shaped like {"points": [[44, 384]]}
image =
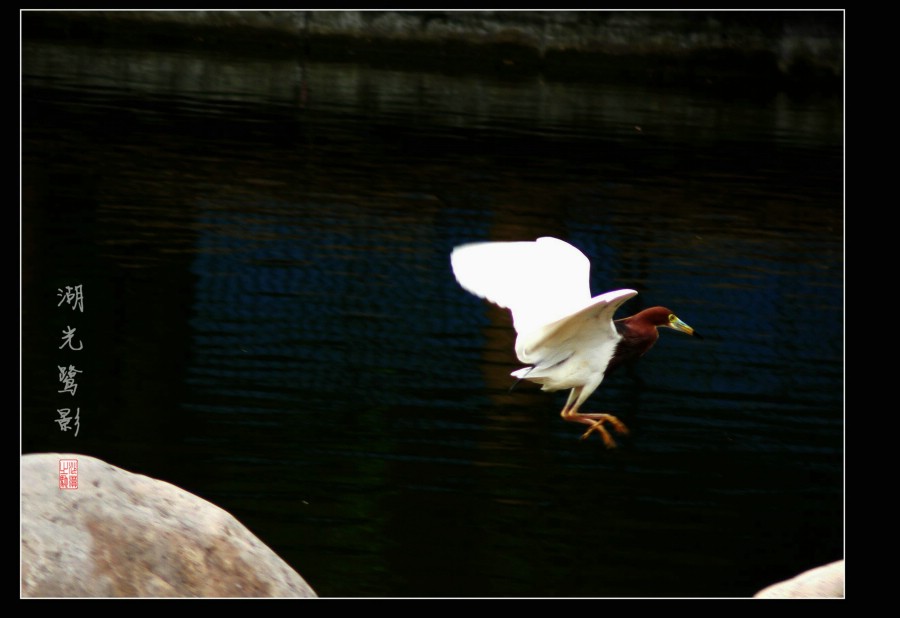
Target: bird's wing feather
{"points": [[540, 281], [590, 326]]}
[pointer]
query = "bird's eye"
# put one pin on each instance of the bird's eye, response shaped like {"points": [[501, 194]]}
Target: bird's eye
{"points": [[672, 318]]}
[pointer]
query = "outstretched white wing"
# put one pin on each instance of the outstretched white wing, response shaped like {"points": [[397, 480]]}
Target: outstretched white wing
{"points": [[540, 282], [589, 330]]}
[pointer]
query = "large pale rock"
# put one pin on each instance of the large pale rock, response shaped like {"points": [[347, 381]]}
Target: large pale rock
{"points": [[123, 534], [822, 582]]}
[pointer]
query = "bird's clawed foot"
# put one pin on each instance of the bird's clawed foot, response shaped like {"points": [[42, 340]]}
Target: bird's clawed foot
{"points": [[608, 440], [597, 422]]}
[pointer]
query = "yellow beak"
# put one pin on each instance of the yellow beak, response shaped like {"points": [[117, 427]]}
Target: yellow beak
{"points": [[681, 326]]}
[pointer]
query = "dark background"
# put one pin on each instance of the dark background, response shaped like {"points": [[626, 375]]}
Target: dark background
{"points": [[270, 320]]}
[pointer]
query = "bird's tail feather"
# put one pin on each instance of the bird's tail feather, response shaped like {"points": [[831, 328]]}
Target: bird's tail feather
{"points": [[519, 374]]}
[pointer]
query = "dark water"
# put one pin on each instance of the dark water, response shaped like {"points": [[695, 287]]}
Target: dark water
{"points": [[270, 320]]}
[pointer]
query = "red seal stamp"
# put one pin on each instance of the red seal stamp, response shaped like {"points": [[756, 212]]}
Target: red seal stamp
{"points": [[68, 474]]}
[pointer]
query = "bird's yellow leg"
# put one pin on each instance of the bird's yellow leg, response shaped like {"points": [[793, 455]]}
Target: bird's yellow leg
{"points": [[602, 417], [596, 420], [608, 441]]}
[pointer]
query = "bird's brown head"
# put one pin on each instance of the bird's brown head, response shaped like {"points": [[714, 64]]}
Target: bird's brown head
{"points": [[660, 316]]}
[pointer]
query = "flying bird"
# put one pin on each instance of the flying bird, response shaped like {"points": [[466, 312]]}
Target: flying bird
{"points": [[568, 339]]}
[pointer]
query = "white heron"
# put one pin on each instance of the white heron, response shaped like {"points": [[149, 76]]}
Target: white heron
{"points": [[568, 339]]}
